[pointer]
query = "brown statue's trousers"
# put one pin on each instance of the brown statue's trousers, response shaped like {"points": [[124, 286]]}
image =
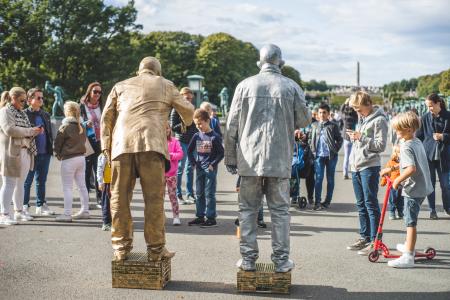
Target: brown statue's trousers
{"points": [[149, 166]]}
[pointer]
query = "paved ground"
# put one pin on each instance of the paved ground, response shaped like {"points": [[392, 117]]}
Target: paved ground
{"points": [[47, 260]]}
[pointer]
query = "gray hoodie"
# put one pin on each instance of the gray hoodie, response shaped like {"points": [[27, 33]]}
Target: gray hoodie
{"points": [[366, 152]]}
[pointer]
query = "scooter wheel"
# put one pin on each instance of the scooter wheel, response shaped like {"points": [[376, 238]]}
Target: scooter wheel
{"points": [[374, 255], [302, 202], [431, 253]]}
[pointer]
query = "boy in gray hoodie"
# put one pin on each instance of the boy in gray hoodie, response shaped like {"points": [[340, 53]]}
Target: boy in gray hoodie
{"points": [[369, 141]]}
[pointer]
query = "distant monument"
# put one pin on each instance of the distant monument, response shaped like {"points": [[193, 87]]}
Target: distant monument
{"points": [[224, 101], [357, 74], [58, 104]]}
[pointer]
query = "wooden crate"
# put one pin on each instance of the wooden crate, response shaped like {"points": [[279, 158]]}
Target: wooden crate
{"points": [[264, 279], [136, 272]]}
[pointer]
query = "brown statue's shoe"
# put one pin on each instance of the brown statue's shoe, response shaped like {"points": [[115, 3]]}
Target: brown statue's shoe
{"points": [[120, 256], [155, 255]]}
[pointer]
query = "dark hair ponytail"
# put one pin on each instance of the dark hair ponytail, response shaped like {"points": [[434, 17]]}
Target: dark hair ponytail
{"points": [[435, 98]]}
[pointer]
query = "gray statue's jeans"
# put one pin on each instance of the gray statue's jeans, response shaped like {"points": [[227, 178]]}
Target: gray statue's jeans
{"points": [[251, 192]]}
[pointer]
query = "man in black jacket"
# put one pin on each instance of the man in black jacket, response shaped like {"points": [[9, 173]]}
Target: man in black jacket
{"points": [[184, 136], [44, 144], [325, 142]]}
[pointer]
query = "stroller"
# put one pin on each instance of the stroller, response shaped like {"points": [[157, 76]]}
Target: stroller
{"points": [[302, 163]]}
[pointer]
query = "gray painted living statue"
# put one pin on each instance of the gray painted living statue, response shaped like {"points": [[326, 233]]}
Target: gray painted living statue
{"points": [[259, 141], [224, 100], [58, 93]]}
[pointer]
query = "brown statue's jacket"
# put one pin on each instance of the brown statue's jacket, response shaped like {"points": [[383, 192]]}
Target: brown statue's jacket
{"points": [[136, 113]]}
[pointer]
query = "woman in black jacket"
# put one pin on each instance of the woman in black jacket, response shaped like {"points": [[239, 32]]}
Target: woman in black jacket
{"points": [[91, 113], [435, 135]]}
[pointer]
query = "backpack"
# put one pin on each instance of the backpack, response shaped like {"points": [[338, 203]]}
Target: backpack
{"points": [[298, 162], [308, 159]]}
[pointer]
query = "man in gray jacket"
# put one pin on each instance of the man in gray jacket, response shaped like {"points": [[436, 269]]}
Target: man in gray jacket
{"points": [[259, 139]]}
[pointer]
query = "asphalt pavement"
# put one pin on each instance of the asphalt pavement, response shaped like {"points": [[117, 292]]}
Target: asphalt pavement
{"points": [[42, 259]]}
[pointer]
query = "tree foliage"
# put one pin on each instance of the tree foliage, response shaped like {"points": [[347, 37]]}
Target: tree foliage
{"points": [[292, 73]]}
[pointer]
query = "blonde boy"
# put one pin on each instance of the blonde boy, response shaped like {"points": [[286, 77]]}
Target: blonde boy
{"points": [[415, 179]]}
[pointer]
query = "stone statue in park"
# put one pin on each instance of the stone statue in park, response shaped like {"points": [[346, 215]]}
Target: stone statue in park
{"points": [[58, 104], [224, 100], [259, 146]]}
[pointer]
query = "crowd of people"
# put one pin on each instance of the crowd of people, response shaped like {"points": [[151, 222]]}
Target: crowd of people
{"points": [[421, 149]]}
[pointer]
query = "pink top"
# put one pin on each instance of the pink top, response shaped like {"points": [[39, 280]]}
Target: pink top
{"points": [[176, 154]]}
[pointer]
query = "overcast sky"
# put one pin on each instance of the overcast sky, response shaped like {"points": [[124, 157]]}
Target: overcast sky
{"points": [[323, 39]]}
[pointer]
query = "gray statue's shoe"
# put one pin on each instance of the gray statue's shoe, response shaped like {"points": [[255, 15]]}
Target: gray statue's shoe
{"points": [[246, 265], [285, 266], [156, 255]]}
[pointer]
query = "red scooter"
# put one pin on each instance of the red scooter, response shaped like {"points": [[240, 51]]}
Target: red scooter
{"points": [[380, 247]]}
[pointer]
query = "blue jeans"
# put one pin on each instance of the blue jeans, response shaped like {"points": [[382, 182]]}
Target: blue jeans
{"points": [[106, 204], [184, 164], [40, 172], [365, 185], [320, 163], [206, 193], [444, 182], [412, 208], [396, 201], [347, 150]]}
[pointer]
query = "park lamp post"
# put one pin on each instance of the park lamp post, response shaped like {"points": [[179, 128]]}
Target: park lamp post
{"points": [[195, 83]]}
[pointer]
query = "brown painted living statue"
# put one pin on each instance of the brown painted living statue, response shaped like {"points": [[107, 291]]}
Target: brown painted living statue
{"points": [[259, 142], [133, 137]]}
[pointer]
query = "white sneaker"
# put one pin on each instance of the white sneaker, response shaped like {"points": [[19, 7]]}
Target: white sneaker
{"points": [[404, 261], [21, 216], [176, 221], [63, 218], [25, 210], [81, 215], [44, 210], [7, 220]]}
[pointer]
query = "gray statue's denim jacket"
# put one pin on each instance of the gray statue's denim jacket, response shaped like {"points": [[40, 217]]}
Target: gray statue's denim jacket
{"points": [[265, 111]]}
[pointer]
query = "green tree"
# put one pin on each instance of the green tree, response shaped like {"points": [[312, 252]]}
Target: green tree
{"points": [[224, 61], [428, 84], [176, 52], [444, 85], [292, 73]]}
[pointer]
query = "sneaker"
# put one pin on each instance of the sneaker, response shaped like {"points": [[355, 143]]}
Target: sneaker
{"points": [[44, 210], [358, 245], [346, 177], [404, 261], [325, 205], [365, 251], [176, 221], [399, 215], [317, 207], [197, 221], [294, 201], [21, 216], [7, 220], [190, 199], [402, 248], [236, 222], [81, 215], [181, 200], [447, 212], [392, 216], [285, 266], [63, 218], [209, 223], [246, 265], [261, 224], [311, 201], [433, 215], [25, 210], [106, 227]]}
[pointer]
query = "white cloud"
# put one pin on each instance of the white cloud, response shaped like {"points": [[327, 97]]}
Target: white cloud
{"points": [[323, 39]]}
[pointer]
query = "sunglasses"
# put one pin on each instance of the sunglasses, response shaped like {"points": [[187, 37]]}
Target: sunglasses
{"points": [[97, 92], [39, 98]]}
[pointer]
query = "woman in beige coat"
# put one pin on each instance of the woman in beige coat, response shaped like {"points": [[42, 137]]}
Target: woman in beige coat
{"points": [[16, 150]]}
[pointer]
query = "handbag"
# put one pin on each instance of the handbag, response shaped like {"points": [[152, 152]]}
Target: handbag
{"points": [[89, 149]]}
